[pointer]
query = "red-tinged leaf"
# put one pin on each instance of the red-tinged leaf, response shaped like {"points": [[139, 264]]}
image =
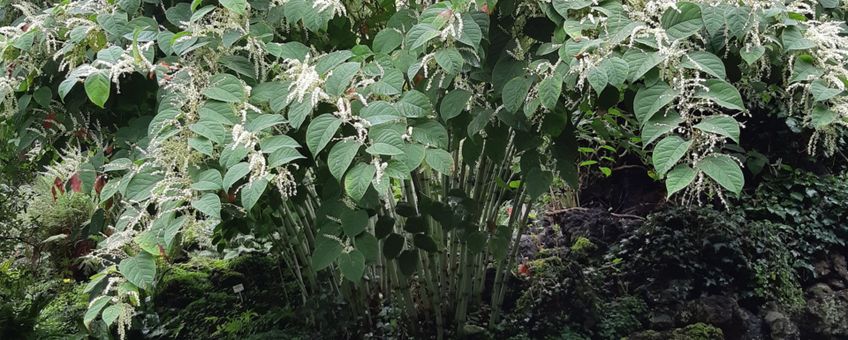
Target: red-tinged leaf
{"points": [[99, 183], [76, 183]]}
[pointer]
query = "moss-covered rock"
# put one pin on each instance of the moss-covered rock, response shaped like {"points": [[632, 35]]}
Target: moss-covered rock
{"points": [[697, 331]]}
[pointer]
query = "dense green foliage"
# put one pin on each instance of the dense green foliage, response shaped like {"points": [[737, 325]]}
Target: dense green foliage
{"points": [[389, 155]]}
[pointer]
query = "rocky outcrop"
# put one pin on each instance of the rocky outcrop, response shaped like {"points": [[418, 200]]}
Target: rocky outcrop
{"points": [[826, 314]]}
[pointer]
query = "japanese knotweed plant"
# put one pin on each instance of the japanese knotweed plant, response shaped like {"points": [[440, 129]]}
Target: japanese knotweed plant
{"points": [[374, 144]]}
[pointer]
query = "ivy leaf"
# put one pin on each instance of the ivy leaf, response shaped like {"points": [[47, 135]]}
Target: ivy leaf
{"points": [[326, 251], [358, 179], [225, 88], [139, 270], [724, 170], [679, 178], [237, 6], [454, 103], [97, 87], [682, 22], [668, 152], [209, 204], [235, 173], [352, 265], [550, 90], [515, 93], [650, 100], [340, 157], [722, 93], [722, 125], [321, 131], [705, 62], [251, 192]]}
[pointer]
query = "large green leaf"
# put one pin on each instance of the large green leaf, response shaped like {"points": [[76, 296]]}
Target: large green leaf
{"points": [[235, 173], [450, 60], [550, 90], [387, 40], [358, 179], [724, 170], [649, 101], [340, 157], [679, 178], [326, 251], [454, 103], [208, 204], [141, 185], [683, 21], [722, 125], [414, 104], [94, 309], [139, 270], [660, 125], [668, 152], [225, 88], [321, 131], [722, 93], [419, 35], [97, 87], [706, 62], [237, 6], [515, 93], [354, 222], [251, 192], [440, 160], [822, 117], [352, 265]]}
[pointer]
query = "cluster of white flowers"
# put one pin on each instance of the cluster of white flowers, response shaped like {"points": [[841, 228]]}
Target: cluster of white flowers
{"points": [[285, 182], [831, 50], [305, 81], [335, 7]]}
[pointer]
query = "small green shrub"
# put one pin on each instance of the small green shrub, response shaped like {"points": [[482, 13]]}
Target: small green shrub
{"points": [[809, 210], [717, 252], [621, 317]]}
